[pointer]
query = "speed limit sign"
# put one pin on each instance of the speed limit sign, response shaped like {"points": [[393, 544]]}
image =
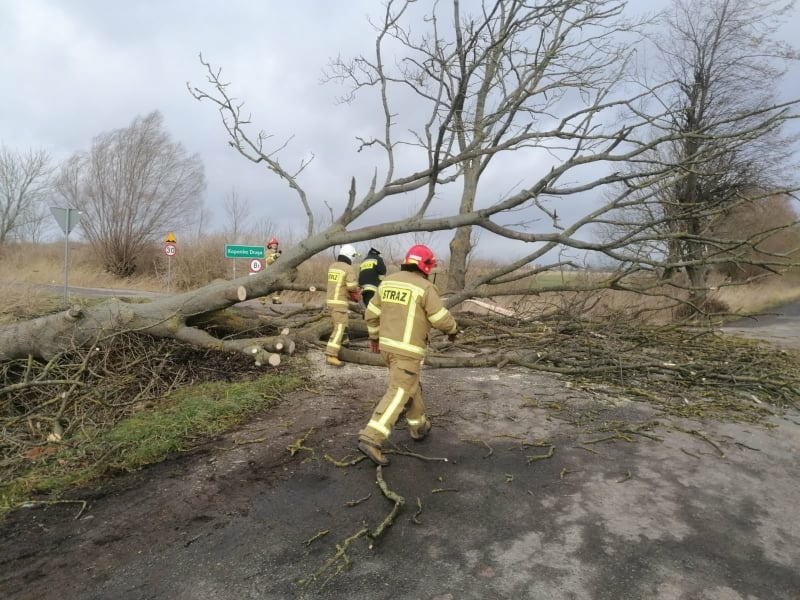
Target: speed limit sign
{"points": [[256, 265], [170, 249]]}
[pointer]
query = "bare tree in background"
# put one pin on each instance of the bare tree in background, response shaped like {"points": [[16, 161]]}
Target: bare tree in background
{"points": [[134, 184], [774, 243], [264, 228], [730, 148], [236, 209], [38, 222], [202, 218], [490, 83], [583, 131], [565, 158], [25, 184]]}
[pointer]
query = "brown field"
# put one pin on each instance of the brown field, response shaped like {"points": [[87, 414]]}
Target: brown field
{"points": [[198, 263]]}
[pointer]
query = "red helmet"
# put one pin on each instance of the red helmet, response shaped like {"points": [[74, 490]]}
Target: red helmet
{"points": [[272, 242], [422, 256]]}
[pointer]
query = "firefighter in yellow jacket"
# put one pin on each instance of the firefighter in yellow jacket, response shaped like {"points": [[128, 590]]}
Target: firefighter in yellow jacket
{"points": [[399, 318], [342, 287], [273, 254]]}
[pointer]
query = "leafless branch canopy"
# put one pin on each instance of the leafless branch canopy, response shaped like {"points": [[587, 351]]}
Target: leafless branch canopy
{"points": [[535, 94], [129, 186], [25, 182]]}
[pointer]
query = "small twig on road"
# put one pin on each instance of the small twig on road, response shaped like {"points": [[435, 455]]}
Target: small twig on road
{"points": [[685, 451], [549, 454], [32, 503], [345, 462], [478, 441], [415, 518], [415, 455], [352, 503], [390, 495], [745, 446], [320, 534], [703, 437], [340, 557], [299, 444], [238, 442]]}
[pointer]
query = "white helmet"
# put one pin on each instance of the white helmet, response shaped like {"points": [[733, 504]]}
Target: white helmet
{"points": [[348, 251]]}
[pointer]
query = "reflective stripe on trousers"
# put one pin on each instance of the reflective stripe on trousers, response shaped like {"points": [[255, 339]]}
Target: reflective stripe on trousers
{"points": [[403, 392], [339, 318]]}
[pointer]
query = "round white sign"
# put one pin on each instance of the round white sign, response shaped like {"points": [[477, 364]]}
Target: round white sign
{"points": [[256, 265], [170, 249]]}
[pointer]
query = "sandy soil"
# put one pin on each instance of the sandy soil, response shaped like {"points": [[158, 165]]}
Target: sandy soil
{"points": [[701, 511]]}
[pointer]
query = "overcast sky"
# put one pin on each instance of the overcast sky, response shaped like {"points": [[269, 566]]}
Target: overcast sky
{"points": [[71, 69]]}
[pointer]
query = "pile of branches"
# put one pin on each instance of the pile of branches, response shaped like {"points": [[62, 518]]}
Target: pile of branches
{"points": [[689, 372], [685, 371], [83, 392]]}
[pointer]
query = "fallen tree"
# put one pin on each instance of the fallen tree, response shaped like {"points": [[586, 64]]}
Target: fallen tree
{"points": [[528, 116], [167, 317], [691, 373]]}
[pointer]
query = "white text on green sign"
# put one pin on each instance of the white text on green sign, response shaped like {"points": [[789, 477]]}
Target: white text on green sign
{"points": [[244, 251]]}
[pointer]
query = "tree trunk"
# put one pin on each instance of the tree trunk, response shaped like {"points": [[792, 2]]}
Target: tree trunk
{"points": [[696, 269], [461, 244], [460, 247], [167, 317]]}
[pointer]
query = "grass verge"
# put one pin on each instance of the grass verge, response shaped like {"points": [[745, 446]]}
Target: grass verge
{"points": [[187, 417]]}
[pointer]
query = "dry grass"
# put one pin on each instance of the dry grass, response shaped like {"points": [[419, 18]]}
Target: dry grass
{"points": [[758, 296], [44, 264], [657, 304], [201, 261], [23, 301]]}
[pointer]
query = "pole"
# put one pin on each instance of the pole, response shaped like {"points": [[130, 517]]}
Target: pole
{"points": [[66, 257], [63, 217], [169, 274]]}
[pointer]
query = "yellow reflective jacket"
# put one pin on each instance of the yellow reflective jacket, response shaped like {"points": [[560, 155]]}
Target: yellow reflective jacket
{"points": [[403, 311], [271, 257], [342, 283]]}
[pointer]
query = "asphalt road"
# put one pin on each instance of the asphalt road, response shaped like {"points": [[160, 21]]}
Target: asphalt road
{"points": [[690, 511], [779, 326]]}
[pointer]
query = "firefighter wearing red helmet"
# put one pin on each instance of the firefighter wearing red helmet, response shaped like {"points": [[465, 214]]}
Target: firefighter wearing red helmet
{"points": [[399, 318], [273, 252]]}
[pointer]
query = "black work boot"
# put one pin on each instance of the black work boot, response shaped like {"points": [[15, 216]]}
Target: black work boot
{"points": [[373, 452]]}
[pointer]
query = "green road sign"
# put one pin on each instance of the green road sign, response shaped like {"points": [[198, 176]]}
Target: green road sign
{"points": [[244, 251]]}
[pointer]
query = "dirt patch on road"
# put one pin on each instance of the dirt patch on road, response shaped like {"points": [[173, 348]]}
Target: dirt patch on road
{"points": [[548, 491]]}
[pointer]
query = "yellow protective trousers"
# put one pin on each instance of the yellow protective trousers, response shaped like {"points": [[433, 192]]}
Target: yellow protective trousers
{"points": [[404, 393], [340, 319]]}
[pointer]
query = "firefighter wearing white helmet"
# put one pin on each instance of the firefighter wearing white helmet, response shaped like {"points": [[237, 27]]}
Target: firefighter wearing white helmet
{"points": [[399, 318], [342, 288]]}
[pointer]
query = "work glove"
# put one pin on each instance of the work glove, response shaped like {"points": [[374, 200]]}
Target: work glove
{"points": [[373, 347], [355, 296], [451, 337]]}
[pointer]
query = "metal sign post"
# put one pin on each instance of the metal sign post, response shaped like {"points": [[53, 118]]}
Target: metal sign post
{"points": [[67, 218], [170, 249], [235, 251], [256, 265]]}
